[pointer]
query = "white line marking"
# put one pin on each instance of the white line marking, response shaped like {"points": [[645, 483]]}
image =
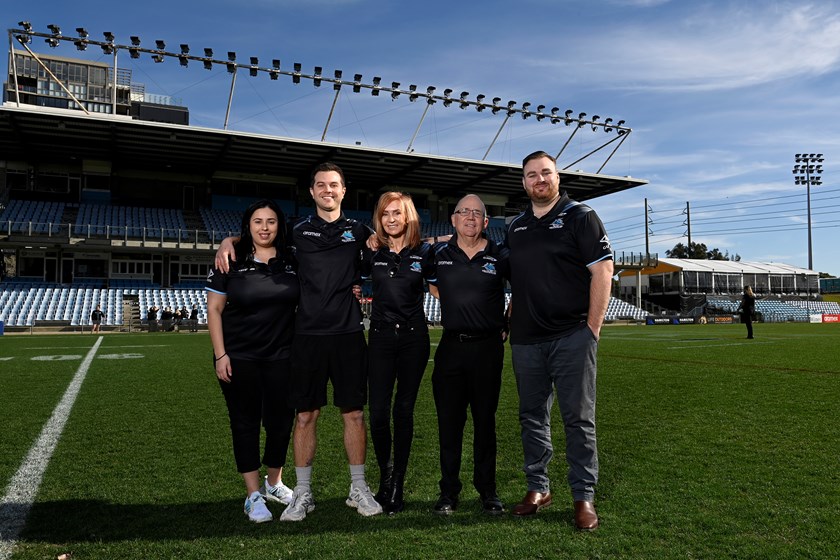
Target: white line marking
{"points": [[21, 491]]}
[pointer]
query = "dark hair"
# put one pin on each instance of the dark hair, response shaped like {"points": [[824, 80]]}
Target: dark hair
{"points": [[326, 166], [245, 246], [537, 155]]}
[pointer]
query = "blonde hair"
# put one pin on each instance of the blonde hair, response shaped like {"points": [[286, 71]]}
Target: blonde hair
{"points": [[412, 219], [748, 291]]}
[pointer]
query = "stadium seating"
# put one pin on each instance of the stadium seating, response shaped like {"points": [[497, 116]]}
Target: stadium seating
{"points": [[32, 216], [24, 304]]}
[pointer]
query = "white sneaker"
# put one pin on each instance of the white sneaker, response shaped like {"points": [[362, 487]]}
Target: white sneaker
{"points": [[280, 493], [301, 504], [255, 508], [362, 499]]}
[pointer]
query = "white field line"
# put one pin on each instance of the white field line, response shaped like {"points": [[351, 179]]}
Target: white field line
{"points": [[21, 491]]}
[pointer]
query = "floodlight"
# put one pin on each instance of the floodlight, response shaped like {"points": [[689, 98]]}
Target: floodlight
{"points": [[254, 64], [316, 81], [430, 91], [376, 87], [52, 41], [108, 36], [108, 49], [133, 52], [208, 53], [447, 101], [525, 112], [161, 45], [510, 110], [56, 30], [337, 82], [275, 69], [81, 44], [413, 93], [135, 40], [158, 58], [395, 90], [463, 100], [83, 34], [183, 60], [296, 73], [540, 115], [185, 49], [496, 107], [480, 106], [594, 123], [232, 56], [607, 127], [26, 26], [357, 83]]}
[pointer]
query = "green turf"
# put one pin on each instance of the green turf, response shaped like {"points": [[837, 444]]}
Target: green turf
{"points": [[711, 446]]}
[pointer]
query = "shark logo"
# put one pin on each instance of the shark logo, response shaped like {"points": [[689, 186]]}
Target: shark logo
{"points": [[606, 241], [415, 267], [489, 268], [210, 275], [347, 237], [556, 224]]}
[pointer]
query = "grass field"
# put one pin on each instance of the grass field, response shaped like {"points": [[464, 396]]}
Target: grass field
{"points": [[711, 446]]}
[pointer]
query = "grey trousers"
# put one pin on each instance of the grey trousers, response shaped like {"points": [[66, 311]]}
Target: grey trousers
{"points": [[567, 365]]}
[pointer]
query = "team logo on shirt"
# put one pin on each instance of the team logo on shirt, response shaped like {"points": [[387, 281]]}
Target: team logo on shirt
{"points": [[489, 268], [606, 241], [210, 274], [557, 223], [347, 237], [415, 267]]}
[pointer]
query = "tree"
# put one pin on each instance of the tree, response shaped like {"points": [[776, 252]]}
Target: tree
{"points": [[699, 251]]}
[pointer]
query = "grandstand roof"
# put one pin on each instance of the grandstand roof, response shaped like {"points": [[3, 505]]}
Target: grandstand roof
{"points": [[41, 135], [730, 267]]}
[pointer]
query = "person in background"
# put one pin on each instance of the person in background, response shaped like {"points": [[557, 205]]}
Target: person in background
{"points": [[152, 318], [194, 318], [470, 282], [96, 317], [747, 310], [250, 315], [398, 341], [561, 274]]}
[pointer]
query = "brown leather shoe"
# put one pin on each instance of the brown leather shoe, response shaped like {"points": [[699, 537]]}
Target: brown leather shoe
{"points": [[585, 517], [531, 504]]}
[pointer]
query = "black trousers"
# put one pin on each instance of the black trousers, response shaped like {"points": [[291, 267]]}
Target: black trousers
{"points": [[396, 357], [467, 374], [256, 395]]}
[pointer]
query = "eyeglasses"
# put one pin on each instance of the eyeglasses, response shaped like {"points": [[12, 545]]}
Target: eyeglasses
{"points": [[464, 212]]}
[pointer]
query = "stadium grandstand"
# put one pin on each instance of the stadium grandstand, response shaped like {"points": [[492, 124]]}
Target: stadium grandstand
{"points": [[695, 287], [109, 196]]}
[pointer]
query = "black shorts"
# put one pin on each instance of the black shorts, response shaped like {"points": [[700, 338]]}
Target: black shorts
{"points": [[316, 359]]}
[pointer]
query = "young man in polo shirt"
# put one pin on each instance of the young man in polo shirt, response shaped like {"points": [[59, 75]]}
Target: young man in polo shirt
{"points": [[561, 274]]}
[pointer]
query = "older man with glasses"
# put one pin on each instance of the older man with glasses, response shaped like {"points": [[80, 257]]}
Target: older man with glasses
{"points": [[470, 283]]}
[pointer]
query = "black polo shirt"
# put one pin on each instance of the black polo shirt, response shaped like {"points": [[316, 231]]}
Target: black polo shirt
{"points": [[398, 288], [472, 291], [258, 320], [549, 257], [329, 257]]}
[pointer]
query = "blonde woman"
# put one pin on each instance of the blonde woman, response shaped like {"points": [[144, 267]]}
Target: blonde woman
{"points": [[398, 342]]}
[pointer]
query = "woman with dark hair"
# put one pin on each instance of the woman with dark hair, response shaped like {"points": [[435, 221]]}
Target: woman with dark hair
{"points": [[398, 342], [747, 309], [250, 315]]}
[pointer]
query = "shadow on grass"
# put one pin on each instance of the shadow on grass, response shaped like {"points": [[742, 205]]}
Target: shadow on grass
{"points": [[60, 522]]}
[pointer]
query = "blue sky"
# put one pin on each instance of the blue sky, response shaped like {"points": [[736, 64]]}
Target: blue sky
{"points": [[720, 94]]}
